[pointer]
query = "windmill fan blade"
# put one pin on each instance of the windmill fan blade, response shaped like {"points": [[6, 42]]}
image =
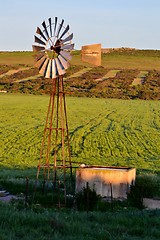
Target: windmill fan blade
{"points": [[55, 25], [45, 28], [65, 31], [66, 55], [67, 39], [54, 69], [39, 56], [38, 48], [60, 26], [52, 48], [49, 69], [50, 26], [40, 62], [60, 68], [63, 61], [68, 47], [41, 33], [37, 40], [44, 67]]}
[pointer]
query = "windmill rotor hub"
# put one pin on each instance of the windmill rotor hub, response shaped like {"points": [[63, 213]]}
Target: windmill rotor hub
{"points": [[56, 49]]}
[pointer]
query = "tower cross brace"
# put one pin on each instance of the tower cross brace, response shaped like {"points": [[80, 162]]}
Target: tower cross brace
{"points": [[55, 149]]}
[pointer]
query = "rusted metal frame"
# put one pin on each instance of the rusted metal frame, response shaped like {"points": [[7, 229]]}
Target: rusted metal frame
{"points": [[50, 125], [61, 166], [56, 136], [47, 128], [62, 121], [67, 131], [43, 139], [67, 138], [62, 133]]}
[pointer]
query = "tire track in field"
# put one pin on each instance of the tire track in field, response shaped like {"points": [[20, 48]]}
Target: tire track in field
{"points": [[80, 134], [129, 130], [126, 142], [156, 120], [120, 138], [113, 145], [110, 148], [136, 135], [120, 143], [111, 135], [150, 130], [142, 140], [143, 146], [153, 134]]}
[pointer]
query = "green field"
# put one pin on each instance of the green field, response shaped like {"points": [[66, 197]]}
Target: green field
{"points": [[102, 131], [139, 59]]}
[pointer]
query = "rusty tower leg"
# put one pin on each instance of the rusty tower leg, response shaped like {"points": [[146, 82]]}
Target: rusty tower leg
{"points": [[55, 150]]}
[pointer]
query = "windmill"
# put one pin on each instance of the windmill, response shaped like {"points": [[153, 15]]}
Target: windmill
{"points": [[53, 44]]}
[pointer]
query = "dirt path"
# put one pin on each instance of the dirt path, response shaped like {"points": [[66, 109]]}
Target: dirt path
{"points": [[140, 78], [12, 71], [28, 78], [79, 73], [110, 74]]}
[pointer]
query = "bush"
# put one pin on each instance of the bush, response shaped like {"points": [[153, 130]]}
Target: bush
{"points": [[87, 199], [146, 186]]}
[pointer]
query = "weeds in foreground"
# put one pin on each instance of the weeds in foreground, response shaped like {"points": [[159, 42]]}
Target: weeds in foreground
{"points": [[100, 220], [68, 224]]}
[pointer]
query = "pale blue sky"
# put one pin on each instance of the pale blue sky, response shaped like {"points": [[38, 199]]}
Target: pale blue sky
{"points": [[114, 23]]}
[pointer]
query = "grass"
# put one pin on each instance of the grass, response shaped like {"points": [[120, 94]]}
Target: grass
{"points": [[10, 58], [102, 131], [131, 62], [51, 224], [141, 59]]}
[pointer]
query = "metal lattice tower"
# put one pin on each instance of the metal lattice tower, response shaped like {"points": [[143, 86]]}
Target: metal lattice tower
{"points": [[52, 53]]}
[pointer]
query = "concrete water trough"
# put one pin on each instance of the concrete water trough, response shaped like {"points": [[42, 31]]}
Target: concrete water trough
{"points": [[108, 182]]}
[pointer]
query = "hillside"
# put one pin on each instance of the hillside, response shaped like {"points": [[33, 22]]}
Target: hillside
{"points": [[123, 75]]}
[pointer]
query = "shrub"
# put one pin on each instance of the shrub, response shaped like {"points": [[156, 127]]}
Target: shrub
{"points": [[86, 199], [146, 186]]}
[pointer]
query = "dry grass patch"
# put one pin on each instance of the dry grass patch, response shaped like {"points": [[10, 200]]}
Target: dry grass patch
{"points": [[140, 78]]}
